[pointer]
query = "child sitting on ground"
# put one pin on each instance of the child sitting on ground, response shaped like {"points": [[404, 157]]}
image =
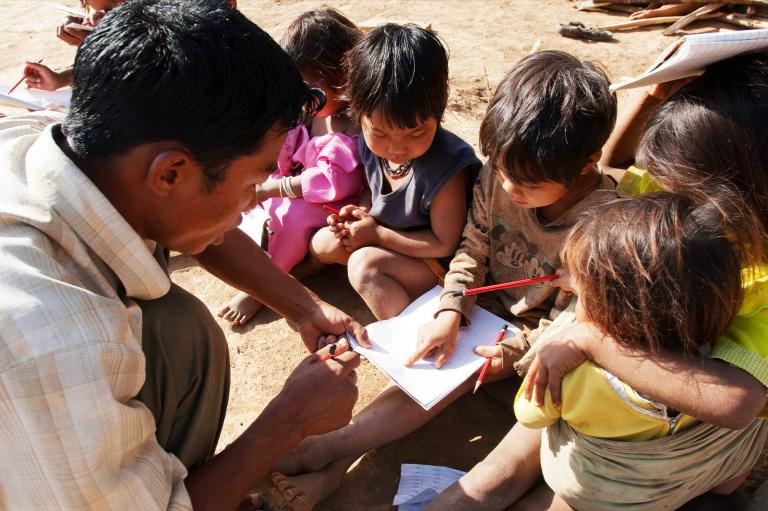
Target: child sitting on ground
{"points": [[542, 133], [539, 176], [417, 172], [653, 272], [317, 166]]}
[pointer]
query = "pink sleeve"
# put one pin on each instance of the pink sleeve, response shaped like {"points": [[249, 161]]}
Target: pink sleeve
{"points": [[337, 173], [294, 145]]}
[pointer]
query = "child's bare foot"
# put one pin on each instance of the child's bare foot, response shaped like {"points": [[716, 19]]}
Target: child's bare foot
{"points": [[307, 457], [304, 492], [240, 309]]}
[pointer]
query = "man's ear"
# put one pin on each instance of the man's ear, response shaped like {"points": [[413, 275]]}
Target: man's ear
{"points": [[168, 170], [591, 162]]}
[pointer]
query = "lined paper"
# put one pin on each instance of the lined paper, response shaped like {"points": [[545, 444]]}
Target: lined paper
{"points": [[394, 340], [691, 54]]}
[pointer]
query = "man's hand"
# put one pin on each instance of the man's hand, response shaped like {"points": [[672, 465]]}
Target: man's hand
{"points": [[556, 357], [325, 323], [437, 337], [319, 394]]}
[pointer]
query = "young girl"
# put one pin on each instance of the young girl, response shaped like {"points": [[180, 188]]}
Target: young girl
{"points": [[319, 164], [652, 272], [414, 207]]}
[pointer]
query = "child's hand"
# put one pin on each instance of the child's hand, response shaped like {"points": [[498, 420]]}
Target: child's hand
{"points": [[40, 76], [360, 230], [336, 222], [494, 352], [437, 337], [664, 90], [563, 281], [69, 35]]}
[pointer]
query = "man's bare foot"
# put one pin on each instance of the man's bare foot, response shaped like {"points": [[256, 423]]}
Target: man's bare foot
{"points": [[251, 502], [304, 492], [240, 309]]}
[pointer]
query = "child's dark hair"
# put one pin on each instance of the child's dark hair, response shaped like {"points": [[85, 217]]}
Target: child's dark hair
{"points": [[400, 70], [318, 40], [549, 114], [710, 141], [656, 271], [194, 71]]}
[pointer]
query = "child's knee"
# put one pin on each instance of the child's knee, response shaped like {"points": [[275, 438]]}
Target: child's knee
{"points": [[363, 266], [326, 248]]}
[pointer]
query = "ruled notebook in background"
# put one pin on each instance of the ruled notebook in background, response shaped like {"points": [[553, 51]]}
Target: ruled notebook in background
{"points": [[691, 54], [35, 99], [395, 339]]}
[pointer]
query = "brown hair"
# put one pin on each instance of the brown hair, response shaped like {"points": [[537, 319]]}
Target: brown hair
{"points": [[709, 141], [656, 271], [318, 41], [401, 70], [549, 114]]}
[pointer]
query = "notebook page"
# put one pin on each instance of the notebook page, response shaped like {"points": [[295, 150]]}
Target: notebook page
{"points": [[394, 340], [695, 53], [419, 484], [34, 99]]}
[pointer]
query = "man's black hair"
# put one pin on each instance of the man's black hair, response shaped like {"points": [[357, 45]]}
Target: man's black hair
{"points": [[194, 71], [549, 114], [401, 70]]}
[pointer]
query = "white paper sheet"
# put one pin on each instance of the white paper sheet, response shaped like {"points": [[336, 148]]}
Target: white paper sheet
{"points": [[691, 54], [395, 339], [419, 484], [34, 99]]}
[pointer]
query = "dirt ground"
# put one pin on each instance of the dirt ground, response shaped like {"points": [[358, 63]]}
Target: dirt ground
{"points": [[485, 39]]}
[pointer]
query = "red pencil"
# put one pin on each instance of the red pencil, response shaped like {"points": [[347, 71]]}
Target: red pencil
{"points": [[21, 79], [496, 287], [487, 364], [331, 210]]}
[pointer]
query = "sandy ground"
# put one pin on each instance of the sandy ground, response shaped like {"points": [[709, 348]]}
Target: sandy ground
{"points": [[485, 39]]}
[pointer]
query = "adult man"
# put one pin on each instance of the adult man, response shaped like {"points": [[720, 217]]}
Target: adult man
{"points": [[113, 387]]}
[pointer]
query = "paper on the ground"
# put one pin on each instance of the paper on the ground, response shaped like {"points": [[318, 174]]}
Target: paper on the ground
{"points": [[691, 54], [419, 484], [394, 340], [35, 99], [253, 223]]}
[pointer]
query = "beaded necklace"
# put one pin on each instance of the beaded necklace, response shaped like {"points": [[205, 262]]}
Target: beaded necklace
{"points": [[400, 172]]}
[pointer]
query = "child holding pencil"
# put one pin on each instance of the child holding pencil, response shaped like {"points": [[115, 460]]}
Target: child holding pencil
{"points": [[417, 172], [542, 134], [540, 176], [318, 163]]}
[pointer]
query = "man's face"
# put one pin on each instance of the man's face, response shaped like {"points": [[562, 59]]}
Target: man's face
{"points": [[202, 217]]}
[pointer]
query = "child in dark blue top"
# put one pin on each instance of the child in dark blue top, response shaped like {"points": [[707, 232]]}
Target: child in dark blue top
{"points": [[418, 173]]}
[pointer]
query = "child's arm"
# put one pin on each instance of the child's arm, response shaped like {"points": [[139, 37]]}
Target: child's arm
{"points": [[710, 390], [468, 269], [447, 215], [40, 76]]}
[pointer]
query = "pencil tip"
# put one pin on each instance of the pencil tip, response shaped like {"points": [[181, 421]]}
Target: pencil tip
{"points": [[477, 386]]}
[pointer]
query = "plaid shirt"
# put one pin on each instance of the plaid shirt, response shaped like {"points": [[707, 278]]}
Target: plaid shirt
{"points": [[71, 433]]}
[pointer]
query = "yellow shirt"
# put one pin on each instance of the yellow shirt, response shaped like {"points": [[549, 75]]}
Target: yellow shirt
{"points": [[596, 403], [745, 343]]}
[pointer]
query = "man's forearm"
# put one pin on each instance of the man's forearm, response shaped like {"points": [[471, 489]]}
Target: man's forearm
{"points": [[708, 389], [242, 264], [222, 482]]}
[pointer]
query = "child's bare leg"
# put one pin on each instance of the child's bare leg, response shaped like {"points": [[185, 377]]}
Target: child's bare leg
{"points": [[242, 307], [541, 498], [326, 248], [323, 460], [501, 479], [388, 281]]}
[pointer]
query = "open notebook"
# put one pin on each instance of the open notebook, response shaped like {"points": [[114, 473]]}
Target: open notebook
{"points": [[35, 99], [691, 54], [394, 339]]}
